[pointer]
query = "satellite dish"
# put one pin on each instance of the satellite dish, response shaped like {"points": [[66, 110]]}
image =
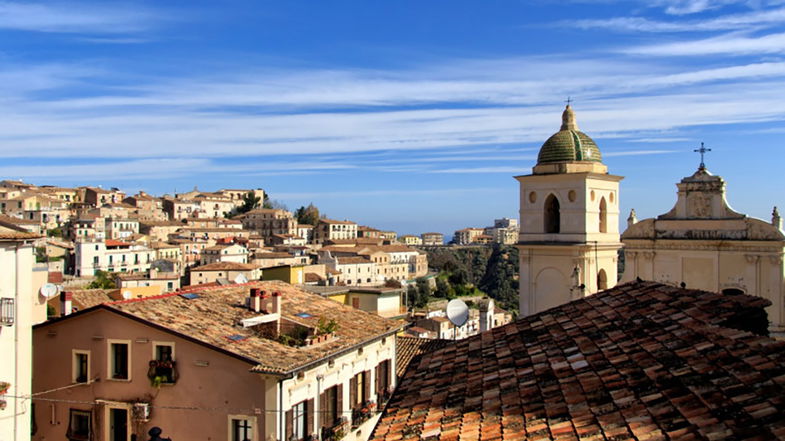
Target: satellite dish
{"points": [[49, 290], [240, 279], [457, 312], [127, 295]]}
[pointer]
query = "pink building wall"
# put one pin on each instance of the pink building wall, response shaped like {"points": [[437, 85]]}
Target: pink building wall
{"points": [[224, 387]]}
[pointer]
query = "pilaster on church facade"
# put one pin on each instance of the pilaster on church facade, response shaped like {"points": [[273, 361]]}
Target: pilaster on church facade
{"points": [[569, 211]]}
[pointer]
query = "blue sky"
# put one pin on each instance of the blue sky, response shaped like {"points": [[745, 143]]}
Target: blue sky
{"points": [[406, 115]]}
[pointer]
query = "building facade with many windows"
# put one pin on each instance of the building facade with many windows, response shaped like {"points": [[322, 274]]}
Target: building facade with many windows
{"points": [[290, 365]]}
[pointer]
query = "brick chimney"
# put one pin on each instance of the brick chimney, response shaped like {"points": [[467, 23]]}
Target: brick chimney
{"points": [[266, 301], [65, 303], [255, 300], [276, 303]]}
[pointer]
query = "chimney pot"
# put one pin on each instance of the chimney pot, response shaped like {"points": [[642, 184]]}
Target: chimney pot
{"points": [[66, 306]]}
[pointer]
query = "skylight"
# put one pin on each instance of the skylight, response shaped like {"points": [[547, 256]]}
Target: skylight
{"points": [[236, 337], [303, 315], [189, 296]]}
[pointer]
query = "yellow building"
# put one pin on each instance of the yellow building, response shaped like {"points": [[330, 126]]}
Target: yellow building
{"points": [[291, 274]]}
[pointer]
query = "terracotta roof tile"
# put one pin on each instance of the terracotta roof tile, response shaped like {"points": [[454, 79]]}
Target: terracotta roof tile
{"points": [[225, 266], [407, 349], [640, 361], [216, 311]]}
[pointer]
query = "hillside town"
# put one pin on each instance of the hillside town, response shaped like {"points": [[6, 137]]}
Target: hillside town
{"points": [[211, 315]]}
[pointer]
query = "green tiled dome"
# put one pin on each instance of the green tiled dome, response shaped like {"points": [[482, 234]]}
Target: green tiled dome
{"points": [[569, 144]]}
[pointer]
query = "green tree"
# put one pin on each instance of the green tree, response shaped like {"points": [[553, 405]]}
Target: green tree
{"points": [[103, 280], [307, 215], [250, 202], [55, 232], [444, 289]]}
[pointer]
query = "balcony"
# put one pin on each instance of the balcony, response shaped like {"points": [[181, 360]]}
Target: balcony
{"points": [[162, 372]]}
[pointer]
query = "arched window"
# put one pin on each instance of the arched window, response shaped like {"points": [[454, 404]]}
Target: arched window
{"points": [[603, 216], [552, 215], [602, 280]]}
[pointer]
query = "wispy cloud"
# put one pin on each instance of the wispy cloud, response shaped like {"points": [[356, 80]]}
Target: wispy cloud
{"points": [[730, 22], [93, 18], [731, 44]]}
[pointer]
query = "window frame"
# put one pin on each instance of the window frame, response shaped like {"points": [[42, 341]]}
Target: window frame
{"points": [[110, 360], [79, 413], [108, 420], [250, 419], [301, 418], [75, 366]]}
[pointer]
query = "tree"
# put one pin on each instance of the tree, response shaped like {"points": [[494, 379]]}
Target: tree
{"points": [[273, 204], [103, 280], [250, 202], [307, 215]]}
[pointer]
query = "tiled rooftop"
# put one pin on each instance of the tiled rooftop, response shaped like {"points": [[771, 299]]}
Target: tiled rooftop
{"points": [[225, 266], [18, 235], [215, 313], [640, 361], [408, 349]]}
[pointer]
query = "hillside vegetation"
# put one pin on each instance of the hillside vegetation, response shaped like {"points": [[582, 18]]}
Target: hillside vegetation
{"points": [[465, 270]]}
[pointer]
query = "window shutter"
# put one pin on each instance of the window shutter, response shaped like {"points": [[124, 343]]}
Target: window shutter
{"points": [[339, 401], [309, 408], [289, 424], [378, 382], [353, 392], [367, 386]]}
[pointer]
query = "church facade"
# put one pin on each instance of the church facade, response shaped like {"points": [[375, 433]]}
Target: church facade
{"points": [[569, 211], [703, 244]]}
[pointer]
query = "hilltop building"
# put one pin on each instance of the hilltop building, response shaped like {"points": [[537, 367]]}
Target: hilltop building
{"points": [[569, 211]]}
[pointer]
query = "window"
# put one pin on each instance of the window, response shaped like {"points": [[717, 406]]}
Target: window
{"points": [[163, 355], [552, 216], [119, 359], [81, 366], [382, 379], [331, 404], [603, 216], [79, 425], [299, 421], [602, 280], [359, 389], [241, 428]]}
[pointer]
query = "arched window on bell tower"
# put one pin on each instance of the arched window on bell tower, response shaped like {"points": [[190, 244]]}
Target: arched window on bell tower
{"points": [[602, 280], [552, 215], [603, 216]]}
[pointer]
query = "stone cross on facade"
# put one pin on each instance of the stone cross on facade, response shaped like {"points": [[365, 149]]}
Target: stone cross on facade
{"points": [[569, 100], [702, 151]]}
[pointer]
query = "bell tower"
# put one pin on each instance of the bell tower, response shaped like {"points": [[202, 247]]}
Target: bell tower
{"points": [[569, 211]]}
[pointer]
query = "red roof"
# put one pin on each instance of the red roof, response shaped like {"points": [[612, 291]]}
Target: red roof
{"points": [[116, 243], [640, 361]]}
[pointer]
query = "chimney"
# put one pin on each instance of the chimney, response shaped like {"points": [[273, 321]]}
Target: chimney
{"points": [[65, 303], [276, 303], [255, 302], [264, 301]]}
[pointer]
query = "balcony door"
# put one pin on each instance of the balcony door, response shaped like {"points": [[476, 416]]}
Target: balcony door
{"points": [[118, 424]]}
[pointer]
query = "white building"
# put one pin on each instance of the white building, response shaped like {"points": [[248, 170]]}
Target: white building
{"points": [[703, 244], [112, 256], [569, 208], [20, 308], [225, 253]]}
